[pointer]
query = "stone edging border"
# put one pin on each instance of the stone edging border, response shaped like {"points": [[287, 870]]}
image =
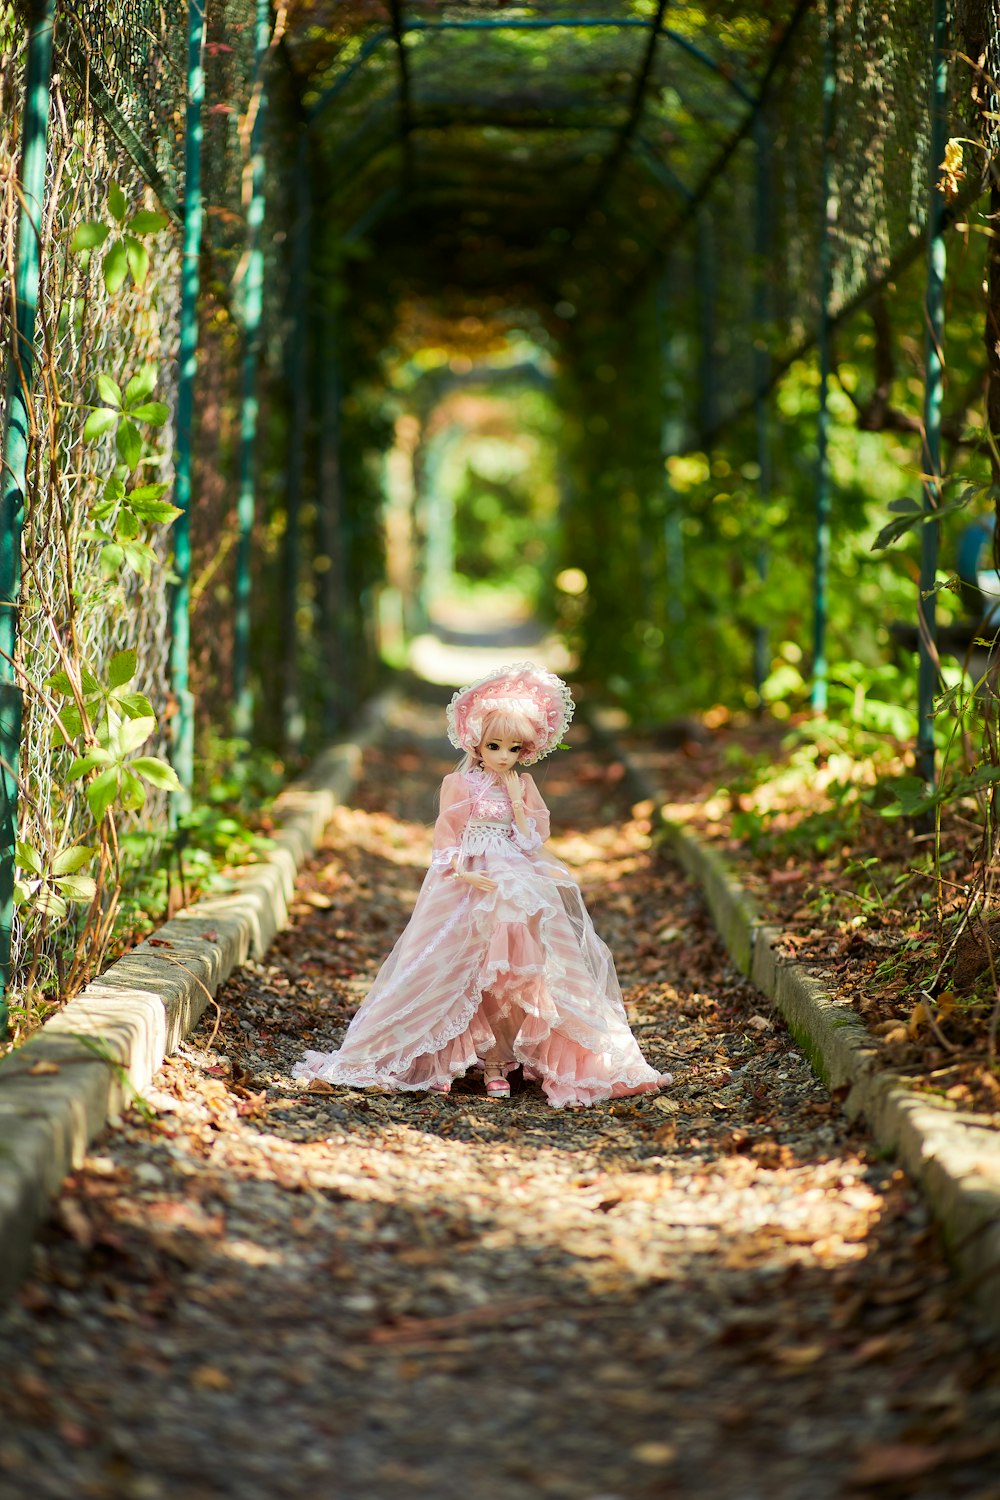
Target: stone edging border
{"points": [[953, 1156], [88, 1060]]}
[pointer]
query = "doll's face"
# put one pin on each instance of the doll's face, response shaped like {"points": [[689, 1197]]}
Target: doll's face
{"points": [[500, 752]]}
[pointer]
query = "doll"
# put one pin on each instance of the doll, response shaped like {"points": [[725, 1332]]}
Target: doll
{"points": [[499, 965]]}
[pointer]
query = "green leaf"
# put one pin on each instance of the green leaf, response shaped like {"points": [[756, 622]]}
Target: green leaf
{"points": [[112, 557], [110, 391], [140, 558], [117, 202], [138, 258], [99, 422], [28, 858], [121, 667], [142, 384], [153, 412], [71, 720], [59, 682], [22, 894], [129, 443], [89, 684], [89, 236], [103, 510], [147, 221], [68, 861], [157, 772], [48, 903], [156, 512], [134, 705], [90, 761], [128, 525], [135, 732], [911, 514], [114, 489], [115, 267], [147, 492], [77, 887], [133, 793], [101, 792]]}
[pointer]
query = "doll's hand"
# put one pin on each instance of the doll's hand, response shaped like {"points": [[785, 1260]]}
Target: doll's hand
{"points": [[476, 878], [515, 788]]}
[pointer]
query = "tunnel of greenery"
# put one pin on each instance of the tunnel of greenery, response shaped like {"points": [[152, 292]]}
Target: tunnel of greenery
{"points": [[644, 320]]}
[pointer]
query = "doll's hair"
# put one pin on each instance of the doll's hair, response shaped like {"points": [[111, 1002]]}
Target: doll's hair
{"points": [[508, 724]]}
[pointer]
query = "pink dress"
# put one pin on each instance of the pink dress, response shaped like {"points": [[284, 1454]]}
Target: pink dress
{"points": [[520, 968]]}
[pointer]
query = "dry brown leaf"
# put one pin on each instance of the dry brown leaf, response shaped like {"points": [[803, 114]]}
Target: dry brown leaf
{"points": [[888, 1463]]}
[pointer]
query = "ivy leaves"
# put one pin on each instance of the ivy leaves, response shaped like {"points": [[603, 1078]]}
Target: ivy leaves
{"points": [[49, 890], [125, 252], [122, 722], [121, 514], [123, 411]]}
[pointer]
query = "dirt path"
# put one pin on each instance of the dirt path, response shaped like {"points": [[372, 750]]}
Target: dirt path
{"points": [[259, 1292]]}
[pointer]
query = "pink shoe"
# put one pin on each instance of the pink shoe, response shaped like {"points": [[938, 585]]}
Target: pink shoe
{"points": [[497, 1086], [439, 1088]]}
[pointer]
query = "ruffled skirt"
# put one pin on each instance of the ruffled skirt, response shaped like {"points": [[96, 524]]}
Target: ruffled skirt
{"points": [[519, 969]]}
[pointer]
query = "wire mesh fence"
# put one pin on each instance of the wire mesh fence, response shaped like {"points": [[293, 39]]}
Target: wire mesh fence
{"points": [[116, 127]]}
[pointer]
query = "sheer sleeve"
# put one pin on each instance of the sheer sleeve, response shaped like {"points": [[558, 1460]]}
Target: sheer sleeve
{"points": [[453, 814], [535, 811]]}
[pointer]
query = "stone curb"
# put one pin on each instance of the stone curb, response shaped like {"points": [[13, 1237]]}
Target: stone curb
{"points": [[93, 1056], [954, 1156]]}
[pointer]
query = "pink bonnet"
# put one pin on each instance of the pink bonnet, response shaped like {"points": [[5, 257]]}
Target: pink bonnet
{"points": [[522, 688]]}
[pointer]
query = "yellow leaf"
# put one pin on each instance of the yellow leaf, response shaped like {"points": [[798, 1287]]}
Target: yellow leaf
{"points": [[210, 1378], [43, 1067], [919, 1017]]}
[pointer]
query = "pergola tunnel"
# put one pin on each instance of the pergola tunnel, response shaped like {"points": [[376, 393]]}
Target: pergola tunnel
{"points": [[335, 329]]}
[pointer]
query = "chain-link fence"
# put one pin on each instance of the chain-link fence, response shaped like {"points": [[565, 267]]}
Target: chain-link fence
{"points": [[116, 148]]}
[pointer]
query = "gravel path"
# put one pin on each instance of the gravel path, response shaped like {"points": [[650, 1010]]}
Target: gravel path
{"points": [[252, 1290]]}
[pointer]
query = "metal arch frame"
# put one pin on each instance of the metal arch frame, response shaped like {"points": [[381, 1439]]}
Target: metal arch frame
{"points": [[405, 92], [736, 139], [523, 23], [613, 160]]}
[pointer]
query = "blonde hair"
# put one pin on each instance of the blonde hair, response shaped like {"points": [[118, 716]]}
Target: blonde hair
{"points": [[503, 723]]}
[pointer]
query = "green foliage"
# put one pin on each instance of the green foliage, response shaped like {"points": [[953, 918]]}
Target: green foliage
{"points": [[124, 252], [48, 889], [122, 514]]}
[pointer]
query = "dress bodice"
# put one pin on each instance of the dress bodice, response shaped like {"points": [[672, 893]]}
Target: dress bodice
{"points": [[490, 802]]}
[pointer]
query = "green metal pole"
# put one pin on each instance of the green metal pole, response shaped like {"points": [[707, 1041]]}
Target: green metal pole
{"points": [[438, 507], [331, 539], [253, 302], [16, 436], [927, 674], [673, 535], [705, 275], [187, 359], [821, 569], [762, 373], [298, 383]]}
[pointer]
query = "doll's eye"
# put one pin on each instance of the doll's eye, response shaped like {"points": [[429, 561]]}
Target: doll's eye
{"points": [[492, 746], [515, 749]]}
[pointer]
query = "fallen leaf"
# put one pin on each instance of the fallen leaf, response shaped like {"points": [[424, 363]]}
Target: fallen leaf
{"points": [[43, 1067], [655, 1454], [210, 1378], [888, 1463]]}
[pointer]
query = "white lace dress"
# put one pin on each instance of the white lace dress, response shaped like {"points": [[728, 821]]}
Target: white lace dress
{"points": [[519, 969]]}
